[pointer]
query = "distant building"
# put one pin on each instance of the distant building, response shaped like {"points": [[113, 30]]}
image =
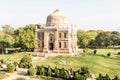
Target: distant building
{"points": [[57, 36]]}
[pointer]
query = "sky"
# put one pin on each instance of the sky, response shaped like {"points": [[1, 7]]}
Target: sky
{"points": [[85, 14]]}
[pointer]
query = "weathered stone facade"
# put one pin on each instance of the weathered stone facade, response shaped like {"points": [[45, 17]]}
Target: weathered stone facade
{"points": [[57, 36]]}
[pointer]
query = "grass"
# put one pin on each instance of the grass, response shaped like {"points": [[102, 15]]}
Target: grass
{"points": [[98, 63], [10, 58], [2, 75]]}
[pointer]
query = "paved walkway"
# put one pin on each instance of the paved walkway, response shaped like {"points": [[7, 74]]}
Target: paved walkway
{"points": [[18, 74]]}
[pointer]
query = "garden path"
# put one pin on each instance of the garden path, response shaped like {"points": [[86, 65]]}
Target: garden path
{"points": [[20, 73]]}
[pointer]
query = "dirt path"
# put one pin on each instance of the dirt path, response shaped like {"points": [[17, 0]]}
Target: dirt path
{"points": [[19, 73]]}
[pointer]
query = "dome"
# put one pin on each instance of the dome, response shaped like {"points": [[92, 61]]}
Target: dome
{"points": [[56, 18]]}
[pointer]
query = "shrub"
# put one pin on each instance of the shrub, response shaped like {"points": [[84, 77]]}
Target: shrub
{"points": [[85, 50], [10, 67], [85, 71], [31, 71], [16, 64], [116, 78], [79, 77], [0, 65], [118, 53], [57, 72], [2, 61], [95, 51], [109, 54], [25, 62], [49, 72], [100, 77]]}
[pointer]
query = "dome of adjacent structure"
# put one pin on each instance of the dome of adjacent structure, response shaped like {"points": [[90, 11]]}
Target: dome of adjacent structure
{"points": [[56, 18]]}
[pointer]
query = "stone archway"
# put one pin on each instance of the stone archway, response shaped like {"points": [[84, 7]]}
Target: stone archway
{"points": [[51, 41], [51, 46]]}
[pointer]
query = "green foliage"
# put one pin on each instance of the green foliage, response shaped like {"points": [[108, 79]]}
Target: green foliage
{"points": [[86, 38], [3, 61], [25, 37], [109, 54], [2, 75], [0, 65], [116, 78], [118, 53], [31, 71], [105, 39], [98, 39], [40, 70], [101, 77], [95, 51], [49, 72], [10, 67], [6, 41], [57, 72], [25, 62], [62, 73], [85, 71], [79, 77], [85, 50], [20, 78]]}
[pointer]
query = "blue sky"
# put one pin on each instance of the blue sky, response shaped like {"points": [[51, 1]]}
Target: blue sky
{"points": [[86, 14]]}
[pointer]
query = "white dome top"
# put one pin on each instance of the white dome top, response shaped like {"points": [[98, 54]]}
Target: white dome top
{"points": [[56, 18]]}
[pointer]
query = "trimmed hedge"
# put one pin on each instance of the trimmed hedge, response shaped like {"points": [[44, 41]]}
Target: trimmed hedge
{"points": [[31, 71], [10, 67], [26, 62]]}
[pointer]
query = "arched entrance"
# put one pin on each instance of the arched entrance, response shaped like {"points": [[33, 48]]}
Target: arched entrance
{"points": [[51, 42], [51, 46]]}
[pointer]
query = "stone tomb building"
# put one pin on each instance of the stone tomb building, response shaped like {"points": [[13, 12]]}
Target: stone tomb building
{"points": [[57, 36]]}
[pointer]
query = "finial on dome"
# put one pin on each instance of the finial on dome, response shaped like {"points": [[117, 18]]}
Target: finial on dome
{"points": [[56, 10]]}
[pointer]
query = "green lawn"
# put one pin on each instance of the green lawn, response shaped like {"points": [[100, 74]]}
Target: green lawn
{"points": [[10, 58], [98, 63]]}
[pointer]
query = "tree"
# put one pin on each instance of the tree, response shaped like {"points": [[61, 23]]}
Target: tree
{"points": [[6, 41], [8, 29], [25, 37], [105, 39], [87, 38]]}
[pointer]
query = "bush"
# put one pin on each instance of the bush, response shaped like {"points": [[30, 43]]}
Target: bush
{"points": [[49, 72], [0, 65], [25, 62], [10, 67], [31, 71], [85, 71], [118, 53], [95, 51], [2, 61], [85, 50], [109, 54], [79, 77], [116, 78]]}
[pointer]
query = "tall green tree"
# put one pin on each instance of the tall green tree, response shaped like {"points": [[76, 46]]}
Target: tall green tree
{"points": [[6, 41], [105, 39], [25, 37], [87, 38]]}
